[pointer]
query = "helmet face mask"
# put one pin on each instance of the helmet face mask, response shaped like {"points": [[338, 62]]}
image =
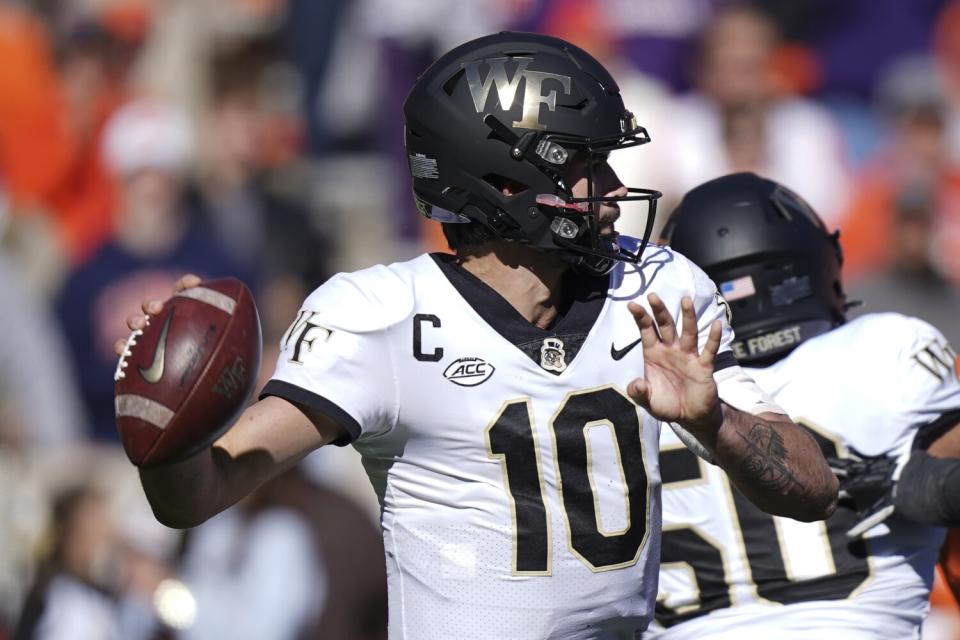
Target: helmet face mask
{"points": [[774, 262], [517, 110]]}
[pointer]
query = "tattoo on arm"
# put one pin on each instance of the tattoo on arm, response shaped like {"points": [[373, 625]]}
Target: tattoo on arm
{"points": [[765, 461]]}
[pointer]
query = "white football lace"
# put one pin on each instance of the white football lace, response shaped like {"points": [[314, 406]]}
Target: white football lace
{"points": [[119, 373]]}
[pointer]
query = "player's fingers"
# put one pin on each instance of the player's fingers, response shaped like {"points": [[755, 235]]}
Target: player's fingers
{"points": [[639, 390], [186, 281], [665, 324], [136, 321], [688, 333], [713, 343], [648, 333], [152, 307]]}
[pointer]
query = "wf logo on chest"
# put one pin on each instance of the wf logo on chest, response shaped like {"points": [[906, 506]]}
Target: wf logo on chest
{"points": [[507, 86]]}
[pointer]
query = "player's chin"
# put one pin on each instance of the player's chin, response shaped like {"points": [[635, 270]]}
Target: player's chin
{"points": [[608, 234], [607, 229], [609, 214]]}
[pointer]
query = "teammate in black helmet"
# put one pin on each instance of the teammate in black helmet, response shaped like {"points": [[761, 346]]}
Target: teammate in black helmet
{"points": [[775, 263], [507, 400], [879, 394]]}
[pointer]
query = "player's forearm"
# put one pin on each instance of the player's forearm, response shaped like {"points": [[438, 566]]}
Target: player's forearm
{"points": [[268, 438], [928, 490], [187, 493], [776, 464], [183, 494]]}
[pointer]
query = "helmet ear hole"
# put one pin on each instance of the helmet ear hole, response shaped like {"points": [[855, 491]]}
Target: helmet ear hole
{"points": [[505, 185]]}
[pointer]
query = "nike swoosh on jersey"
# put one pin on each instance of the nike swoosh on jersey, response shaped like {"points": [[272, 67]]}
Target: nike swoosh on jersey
{"points": [[155, 371], [618, 354]]}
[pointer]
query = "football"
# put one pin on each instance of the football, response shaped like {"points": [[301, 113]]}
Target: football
{"points": [[183, 379]]}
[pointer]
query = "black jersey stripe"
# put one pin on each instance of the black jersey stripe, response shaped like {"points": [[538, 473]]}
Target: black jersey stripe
{"points": [[300, 396]]}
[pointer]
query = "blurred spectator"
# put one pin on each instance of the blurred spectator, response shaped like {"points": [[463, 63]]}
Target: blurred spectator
{"points": [[292, 561], [405, 36], [946, 49], [246, 188], [89, 587], [34, 142], [148, 146], [313, 29], [914, 158], [39, 403], [657, 36], [36, 148], [853, 41], [92, 70], [739, 119], [911, 284], [53, 103]]}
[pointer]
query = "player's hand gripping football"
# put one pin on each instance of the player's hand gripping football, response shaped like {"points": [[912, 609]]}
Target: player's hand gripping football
{"points": [[181, 381], [138, 321], [677, 383]]}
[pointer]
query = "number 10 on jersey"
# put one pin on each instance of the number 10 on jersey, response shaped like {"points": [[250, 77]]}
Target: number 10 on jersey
{"points": [[511, 438]]}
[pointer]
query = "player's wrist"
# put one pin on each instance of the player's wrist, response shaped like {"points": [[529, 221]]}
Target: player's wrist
{"points": [[706, 427]]}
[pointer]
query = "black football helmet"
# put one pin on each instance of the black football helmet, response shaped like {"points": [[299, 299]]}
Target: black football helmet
{"points": [[513, 109], [771, 256]]}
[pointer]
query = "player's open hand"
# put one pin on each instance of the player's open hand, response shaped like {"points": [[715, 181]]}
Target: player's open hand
{"points": [[152, 307], [677, 383]]}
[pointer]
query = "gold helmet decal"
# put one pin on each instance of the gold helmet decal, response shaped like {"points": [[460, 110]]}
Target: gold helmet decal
{"points": [[533, 95]]}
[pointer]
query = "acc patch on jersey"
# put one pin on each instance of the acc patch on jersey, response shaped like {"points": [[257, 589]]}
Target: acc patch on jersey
{"points": [[469, 372]]}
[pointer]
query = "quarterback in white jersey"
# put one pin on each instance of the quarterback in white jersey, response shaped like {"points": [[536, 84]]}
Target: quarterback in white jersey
{"points": [[507, 400], [882, 385], [519, 483]]}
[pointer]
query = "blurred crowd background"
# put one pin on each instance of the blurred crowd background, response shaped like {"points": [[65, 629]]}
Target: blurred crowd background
{"points": [[141, 139]]}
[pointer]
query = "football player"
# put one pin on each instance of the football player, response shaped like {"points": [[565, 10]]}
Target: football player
{"points": [[505, 404], [880, 394]]}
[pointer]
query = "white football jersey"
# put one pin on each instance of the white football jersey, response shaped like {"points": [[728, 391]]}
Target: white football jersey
{"points": [[732, 571], [519, 484]]}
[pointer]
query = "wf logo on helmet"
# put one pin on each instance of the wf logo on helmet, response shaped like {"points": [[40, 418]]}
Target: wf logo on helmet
{"points": [[507, 87]]}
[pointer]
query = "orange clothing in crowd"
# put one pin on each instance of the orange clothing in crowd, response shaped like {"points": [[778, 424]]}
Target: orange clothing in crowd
{"points": [[941, 596], [35, 150], [43, 163], [950, 568], [866, 231], [85, 200], [946, 586]]}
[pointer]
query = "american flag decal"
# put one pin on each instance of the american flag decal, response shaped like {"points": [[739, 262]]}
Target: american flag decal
{"points": [[736, 289]]}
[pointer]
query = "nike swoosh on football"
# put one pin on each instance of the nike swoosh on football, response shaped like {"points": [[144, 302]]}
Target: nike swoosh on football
{"points": [[153, 374], [618, 354]]}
